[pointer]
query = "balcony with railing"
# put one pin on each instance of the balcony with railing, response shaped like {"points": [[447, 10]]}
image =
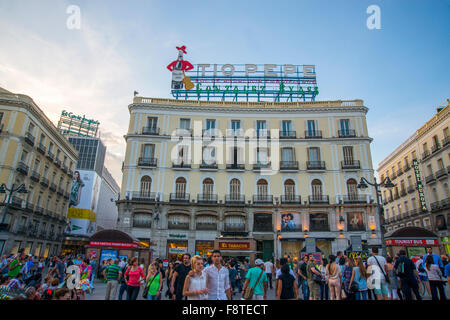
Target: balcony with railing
{"points": [[64, 168], [38, 210], [175, 225], [235, 132], [147, 162], [318, 199], [179, 197], [44, 182], [262, 199], [180, 132], [354, 199], [206, 226], [399, 172], [350, 164], [207, 198], [60, 192], [315, 165], [35, 176], [29, 138], [57, 162], [406, 168], [348, 133], [287, 134], [153, 131], [261, 165], [238, 199], [208, 166], [396, 196], [425, 154], [16, 202], [50, 156], [445, 141], [435, 148], [441, 173], [234, 227], [143, 196], [66, 195], [210, 132], [411, 189], [181, 165], [41, 148], [288, 165], [70, 173], [22, 168], [29, 207], [263, 133], [291, 199], [402, 192], [236, 166], [52, 187], [313, 134], [430, 179]]}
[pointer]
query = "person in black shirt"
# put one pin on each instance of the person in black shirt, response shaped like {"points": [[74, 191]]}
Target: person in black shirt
{"points": [[287, 287], [179, 276], [408, 277]]}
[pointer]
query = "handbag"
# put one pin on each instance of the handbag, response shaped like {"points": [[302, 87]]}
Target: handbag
{"points": [[316, 278], [354, 287], [249, 291], [382, 270], [147, 287]]}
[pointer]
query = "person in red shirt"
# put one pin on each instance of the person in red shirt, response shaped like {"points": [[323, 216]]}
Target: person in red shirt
{"points": [[133, 276], [178, 67]]}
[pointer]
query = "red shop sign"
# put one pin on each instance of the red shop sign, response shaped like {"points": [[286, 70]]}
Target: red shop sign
{"points": [[412, 242], [112, 244]]}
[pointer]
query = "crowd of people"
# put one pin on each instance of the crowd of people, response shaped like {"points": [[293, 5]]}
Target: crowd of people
{"points": [[337, 277]]}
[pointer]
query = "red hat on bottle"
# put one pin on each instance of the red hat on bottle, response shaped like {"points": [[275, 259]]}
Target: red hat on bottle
{"points": [[182, 48]]}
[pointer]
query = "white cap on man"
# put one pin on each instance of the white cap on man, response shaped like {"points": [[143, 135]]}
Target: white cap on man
{"points": [[258, 262]]}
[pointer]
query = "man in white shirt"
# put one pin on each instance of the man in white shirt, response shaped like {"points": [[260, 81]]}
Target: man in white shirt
{"points": [[218, 280], [379, 263], [268, 266]]}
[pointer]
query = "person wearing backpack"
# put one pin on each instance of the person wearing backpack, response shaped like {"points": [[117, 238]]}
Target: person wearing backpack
{"points": [[406, 270]]}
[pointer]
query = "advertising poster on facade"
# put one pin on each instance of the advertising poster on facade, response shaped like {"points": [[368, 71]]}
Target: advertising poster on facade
{"points": [[290, 222], [108, 254], [83, 203]]}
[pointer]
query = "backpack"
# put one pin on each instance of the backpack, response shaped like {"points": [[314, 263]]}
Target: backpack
{"points": [[400, 270]]}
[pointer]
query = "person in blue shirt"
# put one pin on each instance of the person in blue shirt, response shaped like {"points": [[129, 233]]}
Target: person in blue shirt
{"points": [[436, 259], [447, 272]]}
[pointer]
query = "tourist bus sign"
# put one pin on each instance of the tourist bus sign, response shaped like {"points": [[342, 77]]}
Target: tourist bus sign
{"points": [[258, 82]]}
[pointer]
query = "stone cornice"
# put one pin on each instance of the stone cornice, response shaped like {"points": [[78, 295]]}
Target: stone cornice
{"points": [[19, 100]]}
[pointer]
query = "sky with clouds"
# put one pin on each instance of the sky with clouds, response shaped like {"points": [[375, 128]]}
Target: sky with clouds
{"points": [[400, 71]]}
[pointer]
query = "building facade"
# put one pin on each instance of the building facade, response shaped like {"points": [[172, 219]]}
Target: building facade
{"points": [[98, 195], [419, 168], [34, 153], [253, 179]]}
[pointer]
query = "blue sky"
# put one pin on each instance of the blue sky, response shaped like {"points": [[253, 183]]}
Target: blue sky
{"points": [[400, 71]]}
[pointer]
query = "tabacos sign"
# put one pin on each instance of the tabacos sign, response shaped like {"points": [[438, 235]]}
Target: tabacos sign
{"points": [[276, 82]]}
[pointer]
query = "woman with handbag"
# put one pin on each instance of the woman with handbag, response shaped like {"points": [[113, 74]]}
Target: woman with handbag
{"points": [[287, 287], [195, 285], [154, 282], [133, 277]]}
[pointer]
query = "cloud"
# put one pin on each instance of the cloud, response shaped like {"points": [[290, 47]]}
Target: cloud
{"points": [[86, 76]]}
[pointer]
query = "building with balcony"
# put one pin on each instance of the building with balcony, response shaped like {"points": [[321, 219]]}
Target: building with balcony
{"points": [[31, 152], [419, 168], [252, 179]]}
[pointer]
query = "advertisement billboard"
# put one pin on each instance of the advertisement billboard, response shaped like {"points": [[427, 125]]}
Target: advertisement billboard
{"points": [[84, 194]]}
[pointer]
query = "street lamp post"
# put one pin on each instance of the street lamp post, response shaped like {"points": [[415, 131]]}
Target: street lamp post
{"points": [[11, 191], [385, 183]]}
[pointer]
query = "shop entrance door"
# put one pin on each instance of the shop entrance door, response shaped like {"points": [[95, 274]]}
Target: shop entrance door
{"points": [[268, 250]]}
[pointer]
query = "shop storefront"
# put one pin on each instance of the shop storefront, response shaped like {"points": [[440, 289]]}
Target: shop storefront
{"points": [[74, 245], [413, 240], [176, 249], [116, 244], [291, 248], [239, 249], [204, 248]]}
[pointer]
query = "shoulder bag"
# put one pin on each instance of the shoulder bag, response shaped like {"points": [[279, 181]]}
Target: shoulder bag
{"points": [[249, 291], [147, 287], [382, 270]]}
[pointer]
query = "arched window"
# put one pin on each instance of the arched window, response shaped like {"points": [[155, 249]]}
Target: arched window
{"points": [[142, 220], [316, 186], [178, 221], [146, 186], [352, 191], [234, 223], [235, 189], [208, 188], [180, 187], [261, 190], [289, 189]]}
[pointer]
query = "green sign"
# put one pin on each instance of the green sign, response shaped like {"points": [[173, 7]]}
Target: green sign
{"points": [[177, 235], [70, 115]]}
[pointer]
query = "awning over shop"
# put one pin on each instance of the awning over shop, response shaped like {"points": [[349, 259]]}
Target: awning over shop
{"points": [[411, 236]]}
